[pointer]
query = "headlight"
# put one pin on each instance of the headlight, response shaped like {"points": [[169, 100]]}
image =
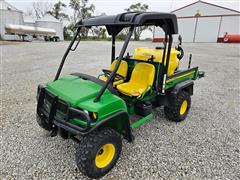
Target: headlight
{"points": [[93, 115]]}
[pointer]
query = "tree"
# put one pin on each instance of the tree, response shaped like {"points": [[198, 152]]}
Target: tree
{"points": [[138, 8], [81, 10], [41, 8], [75, 5], [57, 11], [99, 32]]}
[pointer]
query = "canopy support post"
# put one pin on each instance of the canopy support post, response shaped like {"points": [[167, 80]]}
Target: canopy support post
{"points": [[111, 77], [167, 62], [161, 73], [113, 47], [169, 52], [66, 54]]}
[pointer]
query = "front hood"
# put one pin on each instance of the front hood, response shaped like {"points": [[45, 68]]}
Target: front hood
{"points": [[81, 93], [74, 89]]}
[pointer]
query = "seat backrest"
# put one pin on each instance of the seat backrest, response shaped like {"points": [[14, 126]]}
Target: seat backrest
{"points": [[143, 73], [123, 68]]}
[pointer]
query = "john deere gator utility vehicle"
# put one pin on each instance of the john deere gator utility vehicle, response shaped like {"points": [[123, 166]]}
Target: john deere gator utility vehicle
{"points": [[98, 111]]}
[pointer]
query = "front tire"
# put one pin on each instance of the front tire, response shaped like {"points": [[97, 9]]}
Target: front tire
{"points": [[98, 152], [179, 111]]}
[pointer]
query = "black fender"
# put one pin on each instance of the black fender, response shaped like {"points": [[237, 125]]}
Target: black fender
{"points": [[171, 94], [183, 86], [120, 117]]}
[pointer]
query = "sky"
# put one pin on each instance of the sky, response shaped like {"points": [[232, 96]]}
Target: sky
{"points": [[111, 7], [117, 6]]}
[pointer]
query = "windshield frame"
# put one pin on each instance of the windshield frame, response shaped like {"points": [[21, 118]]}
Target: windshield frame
{"points": [[162, 71]]}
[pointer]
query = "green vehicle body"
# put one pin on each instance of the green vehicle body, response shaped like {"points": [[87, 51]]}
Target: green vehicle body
{"points": [[81, 94], [111, 110], [82, 105]]}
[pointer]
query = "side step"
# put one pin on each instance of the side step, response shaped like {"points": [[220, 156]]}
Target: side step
{"points": [[140, 121]]}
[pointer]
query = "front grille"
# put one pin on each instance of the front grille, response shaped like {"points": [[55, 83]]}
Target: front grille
{"points": [[62, 106], [46, 106], [57, 111], [49, 97]]}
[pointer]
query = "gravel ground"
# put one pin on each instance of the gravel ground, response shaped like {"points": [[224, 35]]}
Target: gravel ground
{"points": [[204, 146]]}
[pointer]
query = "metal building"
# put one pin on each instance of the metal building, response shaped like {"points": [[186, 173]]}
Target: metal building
{"points": [[29, 21], [48, 21], [9, 15], [204, 22]]}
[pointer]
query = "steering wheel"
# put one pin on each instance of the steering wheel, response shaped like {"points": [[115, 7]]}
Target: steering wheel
{"points": [[107, 73]]}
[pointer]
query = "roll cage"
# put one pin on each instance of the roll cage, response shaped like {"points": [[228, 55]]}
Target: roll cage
{"points": [[114, 24]]}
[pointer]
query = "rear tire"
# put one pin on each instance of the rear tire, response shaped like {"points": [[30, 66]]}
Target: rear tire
{"points": [[98, 152], [179, 111]]}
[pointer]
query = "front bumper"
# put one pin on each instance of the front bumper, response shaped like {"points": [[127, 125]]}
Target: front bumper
{"points": [[49, 106]]}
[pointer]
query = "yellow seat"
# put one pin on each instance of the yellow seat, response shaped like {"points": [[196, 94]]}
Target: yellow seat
{"points": [[145, 53], [122, 70], [141, 80]]}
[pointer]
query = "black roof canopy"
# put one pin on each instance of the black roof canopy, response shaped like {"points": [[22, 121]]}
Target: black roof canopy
{"points": [[115, 23]]}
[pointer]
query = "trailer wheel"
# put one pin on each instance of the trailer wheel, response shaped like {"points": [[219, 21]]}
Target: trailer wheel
{"points": [[56, 39], [179, 111], [46, 38], [98, 152]]}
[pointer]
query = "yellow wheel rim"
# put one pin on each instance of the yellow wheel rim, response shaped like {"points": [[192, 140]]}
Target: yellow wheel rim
{"points": [[105, 155], [183, 107]]}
